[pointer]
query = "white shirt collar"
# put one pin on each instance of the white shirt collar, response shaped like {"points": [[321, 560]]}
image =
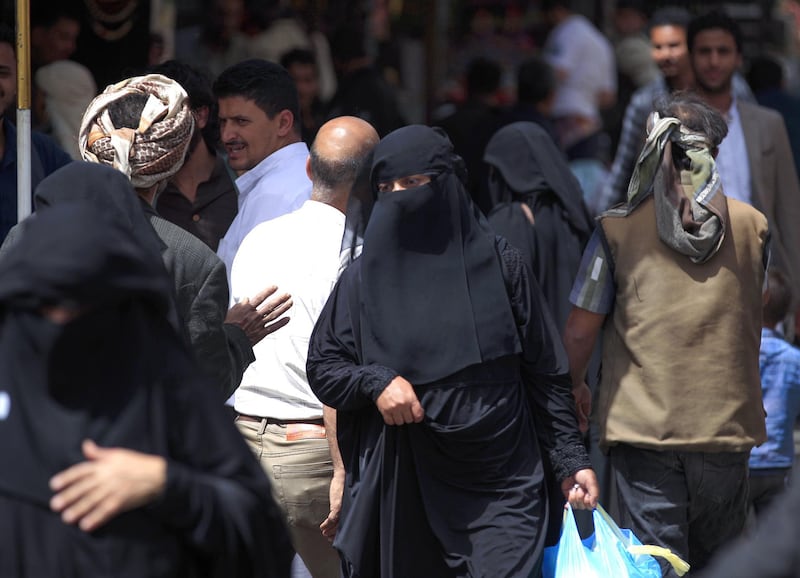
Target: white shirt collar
{"points": [[250, 179]]}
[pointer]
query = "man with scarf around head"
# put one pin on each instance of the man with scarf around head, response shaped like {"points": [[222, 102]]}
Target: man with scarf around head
{"points": [[143, 127], [674, 279], [438, 352], [117, 457]]}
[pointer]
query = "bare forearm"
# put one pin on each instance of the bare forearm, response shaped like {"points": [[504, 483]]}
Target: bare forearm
{"points": [[329, 417], [580, 337]]}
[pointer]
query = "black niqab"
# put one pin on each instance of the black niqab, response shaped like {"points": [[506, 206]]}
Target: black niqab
{"points": [[530, 164], [434, 299], [359, 208], [529, 169], [75, 257]]}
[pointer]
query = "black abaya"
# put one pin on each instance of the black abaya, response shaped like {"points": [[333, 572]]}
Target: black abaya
{"points": [[528, 168], [461, 493], [439, 300], [119, 375]]}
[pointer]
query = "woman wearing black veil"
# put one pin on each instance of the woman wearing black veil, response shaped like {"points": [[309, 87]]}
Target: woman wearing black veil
{"points": [[117, 458], [537, 205], [438, 352]]}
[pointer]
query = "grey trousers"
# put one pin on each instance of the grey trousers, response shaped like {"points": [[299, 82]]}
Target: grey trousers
{"points": [[690, 502]]}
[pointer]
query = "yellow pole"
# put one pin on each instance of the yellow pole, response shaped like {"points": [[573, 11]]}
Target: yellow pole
{"points": [[23, 110]]}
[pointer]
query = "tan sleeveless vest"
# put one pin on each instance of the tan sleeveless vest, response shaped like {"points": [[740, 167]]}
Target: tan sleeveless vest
{"points": [[680, 349]]}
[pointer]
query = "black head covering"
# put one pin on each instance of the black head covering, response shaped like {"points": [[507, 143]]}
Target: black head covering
{"points": [[434, 299], [359, 208], [530, 169], [107, 188], [64, 383], [528, 164]]}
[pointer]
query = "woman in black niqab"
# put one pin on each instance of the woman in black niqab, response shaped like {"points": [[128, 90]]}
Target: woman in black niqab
{"points": [[528, 169], [440, 301], [429, 254], [117, 374]]}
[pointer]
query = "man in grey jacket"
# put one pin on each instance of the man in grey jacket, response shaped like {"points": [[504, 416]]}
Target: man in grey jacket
{"points": [[142, 126]]}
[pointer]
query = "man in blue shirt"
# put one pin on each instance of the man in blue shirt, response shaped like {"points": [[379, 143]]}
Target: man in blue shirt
{"points": [[46, 157], [779, 363]]}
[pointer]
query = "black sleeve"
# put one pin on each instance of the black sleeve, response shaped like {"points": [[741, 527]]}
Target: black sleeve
{"points": [[334, 368], [217, 495], [545, 369]]}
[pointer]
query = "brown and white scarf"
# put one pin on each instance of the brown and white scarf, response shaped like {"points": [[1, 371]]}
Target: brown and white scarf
{"points": [[153, 151]]}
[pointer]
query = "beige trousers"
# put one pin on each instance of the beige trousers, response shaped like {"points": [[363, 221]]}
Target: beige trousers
{"points": [[299, 466]]}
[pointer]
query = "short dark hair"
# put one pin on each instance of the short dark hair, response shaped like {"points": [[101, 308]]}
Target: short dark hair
{"points": [[695, 114], [329, 174], [483, 76], [714, 19], [670, 16], [266, 83], [195, 83], [126, 111], [765, 73], [779, 303], [198, 88], [298, 56], [7, 36], [536, 80]]}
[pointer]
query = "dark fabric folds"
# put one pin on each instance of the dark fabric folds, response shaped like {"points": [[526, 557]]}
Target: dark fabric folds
{"points": [[530, 164], [460, 494], [529, 169], [430, 255], [117, 374], [107, 188]]}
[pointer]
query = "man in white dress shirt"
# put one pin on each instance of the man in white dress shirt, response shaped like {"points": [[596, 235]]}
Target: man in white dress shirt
{"points": [[278, 414], [583, 59], [259, 122]]}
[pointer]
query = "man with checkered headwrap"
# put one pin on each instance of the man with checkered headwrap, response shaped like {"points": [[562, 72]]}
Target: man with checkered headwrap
{"points": [[142, 127]]}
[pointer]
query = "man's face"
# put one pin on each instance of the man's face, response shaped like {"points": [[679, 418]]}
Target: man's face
{"points": [[8, 77], [669, 50], [57, 42], [714, 60], [305, 79], [248, 134]]}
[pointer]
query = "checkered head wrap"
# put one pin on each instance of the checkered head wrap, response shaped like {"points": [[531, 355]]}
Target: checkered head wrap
{"points": [[153, 151]]}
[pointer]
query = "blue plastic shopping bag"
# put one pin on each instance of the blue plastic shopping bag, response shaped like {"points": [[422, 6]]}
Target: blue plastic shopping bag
{"points": [[608, 553]]}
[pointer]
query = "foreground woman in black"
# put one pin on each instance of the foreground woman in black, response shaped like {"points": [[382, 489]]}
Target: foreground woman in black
{"points": [[450, 381], [116, 458]]}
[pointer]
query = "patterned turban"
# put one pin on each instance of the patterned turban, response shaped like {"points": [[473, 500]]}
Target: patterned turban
{"points": [[153, 151]]}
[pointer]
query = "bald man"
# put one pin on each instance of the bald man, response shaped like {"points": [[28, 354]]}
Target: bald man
{"points": [[278, 414]]}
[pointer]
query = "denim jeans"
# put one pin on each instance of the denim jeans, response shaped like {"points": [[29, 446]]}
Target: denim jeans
{"points": [[690, 502]]}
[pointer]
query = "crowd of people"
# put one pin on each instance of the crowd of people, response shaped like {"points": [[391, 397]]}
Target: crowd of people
{"points": [[246, 332]]}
